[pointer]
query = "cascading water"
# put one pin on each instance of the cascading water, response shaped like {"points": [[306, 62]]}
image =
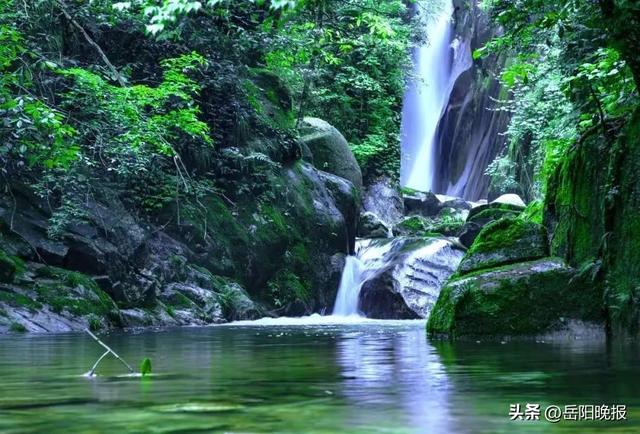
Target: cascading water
{"points": [[437, 66], [418, 274], [370, 256]]}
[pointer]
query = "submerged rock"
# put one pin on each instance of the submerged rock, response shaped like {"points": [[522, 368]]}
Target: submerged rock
{"points": [[526, 298], [506, 241]]}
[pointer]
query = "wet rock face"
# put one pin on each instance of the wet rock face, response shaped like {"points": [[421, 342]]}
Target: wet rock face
{"points": [[425, 204], [383, 199], [380, 299], [469, 136], [371, 226], [527, 298], [408, 282]]}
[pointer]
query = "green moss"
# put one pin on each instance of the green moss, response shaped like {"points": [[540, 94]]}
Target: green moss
{"points": [[64, 292], [520, 299], [492, 214], [498, 235], [287, 287], [413, 223], [533, 212], [17, 328], [10, 267], [19, 300]]}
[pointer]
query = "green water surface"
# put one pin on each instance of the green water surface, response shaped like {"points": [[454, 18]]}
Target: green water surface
{"points": [[377, 377]]}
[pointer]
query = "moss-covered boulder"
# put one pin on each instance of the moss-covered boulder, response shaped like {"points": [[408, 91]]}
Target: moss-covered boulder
{"points": [[506, 241], [526, 298], [330, 150]]}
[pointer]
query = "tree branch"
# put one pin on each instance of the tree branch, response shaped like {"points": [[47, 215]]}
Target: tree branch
{"points": [[91, 42]]}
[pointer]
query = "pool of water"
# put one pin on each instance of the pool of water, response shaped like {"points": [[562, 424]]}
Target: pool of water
{"points": [[327, 377]]}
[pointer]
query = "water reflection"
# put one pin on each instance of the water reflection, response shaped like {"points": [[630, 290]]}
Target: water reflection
{"points": [[316, 378], [383, 371]]}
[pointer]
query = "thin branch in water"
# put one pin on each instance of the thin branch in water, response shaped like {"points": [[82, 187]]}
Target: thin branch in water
{"points": [[109, 350]]}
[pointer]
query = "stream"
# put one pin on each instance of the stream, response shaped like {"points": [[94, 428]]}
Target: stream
{"points": [[327, 376]]}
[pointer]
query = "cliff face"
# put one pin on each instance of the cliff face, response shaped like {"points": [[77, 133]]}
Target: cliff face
{"points": [[469, 134], [592, 209]]}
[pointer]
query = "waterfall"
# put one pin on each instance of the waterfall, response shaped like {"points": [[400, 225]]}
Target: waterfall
{"points": [[417, 272], [370, 257], [350, 284], [437, 66]]}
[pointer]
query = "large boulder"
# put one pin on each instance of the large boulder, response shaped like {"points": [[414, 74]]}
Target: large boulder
{"points": [[330, 150], [506, 241], [383, 199], [408, 282], [527, 298]]}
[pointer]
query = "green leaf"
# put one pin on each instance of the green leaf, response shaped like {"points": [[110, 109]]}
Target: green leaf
{"points": [[145, 366]]}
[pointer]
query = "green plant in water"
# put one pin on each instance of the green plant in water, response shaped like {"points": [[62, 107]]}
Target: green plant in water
{"points": [[145, 367]]}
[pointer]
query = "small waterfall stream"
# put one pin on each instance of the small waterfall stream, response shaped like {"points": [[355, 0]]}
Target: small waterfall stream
{"points": [[357, 269]]}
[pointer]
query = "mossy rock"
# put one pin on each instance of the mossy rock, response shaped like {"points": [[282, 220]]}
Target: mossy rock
{"points": [[505, 241], [492, 211], [526, 298], [10, 267], [331, 152], [74, 292]]}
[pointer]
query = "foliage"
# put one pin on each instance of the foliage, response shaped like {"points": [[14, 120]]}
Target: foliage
{"points": [[568, 76]]}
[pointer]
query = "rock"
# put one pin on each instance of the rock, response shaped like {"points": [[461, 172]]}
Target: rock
{"points": [[330, 150], [417, 225], [379, 299], [510, 199], [425, 204], [410, 277], [493, 211], [370, 226], [469, 233], [345, 198], [203, 304], [237, 304], [525, 298], [481, 215], [503, 242], [383, 199]]}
